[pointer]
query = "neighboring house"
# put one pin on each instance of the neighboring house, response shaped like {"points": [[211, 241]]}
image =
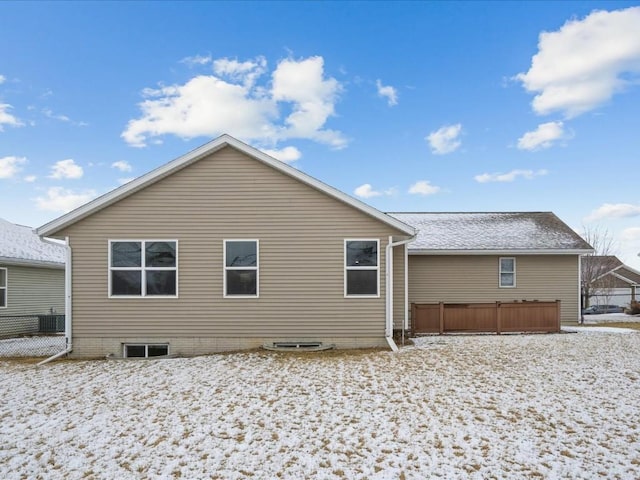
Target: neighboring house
{"points": [[494, 257], [613, 282], [227, 248], [31, 276]]}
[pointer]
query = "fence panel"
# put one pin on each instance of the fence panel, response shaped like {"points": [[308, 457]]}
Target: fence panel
{"points": [[470, 317], [530, 317], [495, 317], [425, 318], [31, 335]]}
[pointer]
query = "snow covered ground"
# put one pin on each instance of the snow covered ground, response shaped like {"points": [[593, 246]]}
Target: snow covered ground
{"points": [[510, 406], [610, 318]]}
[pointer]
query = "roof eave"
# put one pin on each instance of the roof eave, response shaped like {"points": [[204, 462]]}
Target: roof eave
{"points": [[22, 262], [557, 251], [50, 229]]}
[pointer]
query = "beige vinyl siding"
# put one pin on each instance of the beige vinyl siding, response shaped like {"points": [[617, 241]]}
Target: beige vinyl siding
{"points": [[398, 287], [33, 290], [230, 196], [474, 278]]}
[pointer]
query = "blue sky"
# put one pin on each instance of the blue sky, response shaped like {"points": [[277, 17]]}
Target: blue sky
{"points": [[435, 106]]}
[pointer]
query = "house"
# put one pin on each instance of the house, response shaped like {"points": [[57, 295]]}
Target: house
{"points": [[466, 258], [226, 248], [31, 279], [610, 280]]}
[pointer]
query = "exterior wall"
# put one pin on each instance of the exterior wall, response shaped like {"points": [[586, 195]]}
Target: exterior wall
{"points": [[33, 290], [398, 287], [185, 345], [227, 196], [474, 278]]}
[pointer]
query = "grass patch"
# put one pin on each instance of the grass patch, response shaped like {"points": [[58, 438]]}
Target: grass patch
{"points": [[631, 325]]}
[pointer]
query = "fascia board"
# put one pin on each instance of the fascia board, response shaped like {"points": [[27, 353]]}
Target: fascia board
{"points": [[499, 252], [19, 262]]}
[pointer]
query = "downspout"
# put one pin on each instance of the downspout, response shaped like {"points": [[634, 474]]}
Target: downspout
{"points": [[67, 307], [389, 301], [580, 292]]}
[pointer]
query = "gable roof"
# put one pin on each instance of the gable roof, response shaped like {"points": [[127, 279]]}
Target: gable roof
{"points": [[604, 265], [19, 245], [628, 275], [193, 156], [492, 233]]}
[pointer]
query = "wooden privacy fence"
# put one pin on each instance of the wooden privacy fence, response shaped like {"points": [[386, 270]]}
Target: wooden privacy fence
{"points": [[498, 317]]}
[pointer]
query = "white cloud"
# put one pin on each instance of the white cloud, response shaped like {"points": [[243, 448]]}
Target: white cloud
{"points": [[366, 191], [10, 166], [232, 102], [66, 169], [244, 72], [59, 199], [30, 178], [423, 187], [585, 62], [2, 79], [312, 98], [630, 234], [47, 112], [614, 210], [6, 118], [286, 154], [122, 165], [630, 247], [197, 60], [388, 92], [445, 139], [542, 137], [509, 176]]}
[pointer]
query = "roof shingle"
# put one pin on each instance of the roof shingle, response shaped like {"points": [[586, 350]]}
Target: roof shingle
{"points": [[501, 231]]}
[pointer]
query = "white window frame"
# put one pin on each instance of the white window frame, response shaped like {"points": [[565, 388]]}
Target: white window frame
{"points": [[146, 349], [376, 268], [500, 272], [143, 268], [5, 287], [225, 268]]}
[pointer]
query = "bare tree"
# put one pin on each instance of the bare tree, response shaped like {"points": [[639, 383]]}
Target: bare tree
{"points": [[595, 265]]}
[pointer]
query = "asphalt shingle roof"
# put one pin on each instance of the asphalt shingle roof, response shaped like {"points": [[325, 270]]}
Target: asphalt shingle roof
{"points": [[491, 231], [20, 243]]}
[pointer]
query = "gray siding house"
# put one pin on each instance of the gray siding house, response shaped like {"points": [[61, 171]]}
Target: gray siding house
{"points": [[226, 248], [31, 278], [612, 281]]}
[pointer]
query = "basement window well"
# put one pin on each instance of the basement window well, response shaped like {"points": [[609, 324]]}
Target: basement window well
{"points": [[144, 350]]}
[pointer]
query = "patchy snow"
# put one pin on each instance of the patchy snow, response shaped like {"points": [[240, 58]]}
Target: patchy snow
{"points": [[491, 231], [510, 406], [20, 243], [611, 318]]}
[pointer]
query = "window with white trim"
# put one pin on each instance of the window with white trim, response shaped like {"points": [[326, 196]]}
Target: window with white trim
{"points": [[361, 268], [144, 350], [3, 288], [241, 268], [143, 268], [507, 272]]}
